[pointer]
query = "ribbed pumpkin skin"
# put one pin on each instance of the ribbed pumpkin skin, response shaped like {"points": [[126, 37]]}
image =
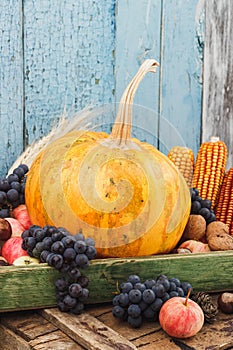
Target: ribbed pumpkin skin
{"points": [[125, 194], [132, 202]]}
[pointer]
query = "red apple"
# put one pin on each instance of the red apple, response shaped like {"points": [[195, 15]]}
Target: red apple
{"points": [[12, 249], [181, 317], [195, 246], [21, 214], [16, 227]]}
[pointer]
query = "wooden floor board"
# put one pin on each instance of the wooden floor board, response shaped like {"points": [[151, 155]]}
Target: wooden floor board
{"points": [[97, 329]]}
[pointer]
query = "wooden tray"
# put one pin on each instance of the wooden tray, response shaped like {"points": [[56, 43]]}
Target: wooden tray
{"points": [[32, 287]]}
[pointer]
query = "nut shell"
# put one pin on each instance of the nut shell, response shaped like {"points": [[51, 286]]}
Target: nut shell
{"points": [[5, 230], [225, 302], [195, 228], [216, 227], [220, 241]]}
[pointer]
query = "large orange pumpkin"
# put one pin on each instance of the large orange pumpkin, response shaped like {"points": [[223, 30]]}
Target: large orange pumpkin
{"points": [[123, 193]]}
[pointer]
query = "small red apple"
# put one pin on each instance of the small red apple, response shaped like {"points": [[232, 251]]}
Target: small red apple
{"points": [[12, 249], [21, 214], [16, 227], [181, 317]]}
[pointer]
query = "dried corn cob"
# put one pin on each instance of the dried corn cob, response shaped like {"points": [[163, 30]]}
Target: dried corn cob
{"points": [[183, 158], [210, 169], [224, 208]]}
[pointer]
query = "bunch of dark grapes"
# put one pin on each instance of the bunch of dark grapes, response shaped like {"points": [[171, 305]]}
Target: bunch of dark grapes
{"points": [[68, 254], [201, 206], [12, 190], [138, 301]]}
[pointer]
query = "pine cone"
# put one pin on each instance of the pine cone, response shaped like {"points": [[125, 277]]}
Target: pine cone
{"points": [[207, 305]]}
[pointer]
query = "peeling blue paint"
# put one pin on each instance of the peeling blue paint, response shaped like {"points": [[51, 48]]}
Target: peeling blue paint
{"points": [[77, 53]]}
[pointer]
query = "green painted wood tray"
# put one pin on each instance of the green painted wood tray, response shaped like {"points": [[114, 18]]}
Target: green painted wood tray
{"points": [[32, 287]]}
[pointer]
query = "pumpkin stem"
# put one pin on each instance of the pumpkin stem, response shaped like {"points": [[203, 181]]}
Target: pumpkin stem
{"points": [[121, 130]]}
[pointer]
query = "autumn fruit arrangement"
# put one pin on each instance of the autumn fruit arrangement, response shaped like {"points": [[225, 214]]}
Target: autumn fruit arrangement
{"points": [[90, 194]]}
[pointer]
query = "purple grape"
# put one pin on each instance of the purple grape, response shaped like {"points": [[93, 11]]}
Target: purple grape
{"points": [[12, 195], [68, 241], [90, 242], [24, 167], [148, 296], [135, 322], [133, 279], [47, 243], [91, 252], [75, 290], [173, 294], [134, 310], [19, 172], [135, 296], [123, 299], [78, 308], [140, 286], [3, 198], [149, 283], [119, 312], [61, 284], [159, 290], [69, 302], [62, 306], [150, 315], [125, 287], [43, 255], [82, 260], [74, 273], [13, 177], [69, 254], [16, 186], [57, 247], [4, 185], [83, 281], [84, 295], [4, 213], [156, 305], [80, 246]]}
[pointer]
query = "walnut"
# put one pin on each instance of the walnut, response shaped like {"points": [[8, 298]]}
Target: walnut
{"points": [[195, 228], [221, 241], [217, 235], [216, 227]]}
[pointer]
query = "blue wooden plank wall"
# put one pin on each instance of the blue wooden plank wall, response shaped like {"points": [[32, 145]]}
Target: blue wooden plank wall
{"points": [[70, 54]]}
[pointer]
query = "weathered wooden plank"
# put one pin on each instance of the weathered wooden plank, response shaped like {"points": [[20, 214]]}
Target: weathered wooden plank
{"points": [[218, 73], [123, 327], [138, 38], [180, 89], [69, 59], [55, 340], [34, 332], [11, 83], [9, 340], [25, 288], [88, 331], [32, 288], [28, 325]]}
